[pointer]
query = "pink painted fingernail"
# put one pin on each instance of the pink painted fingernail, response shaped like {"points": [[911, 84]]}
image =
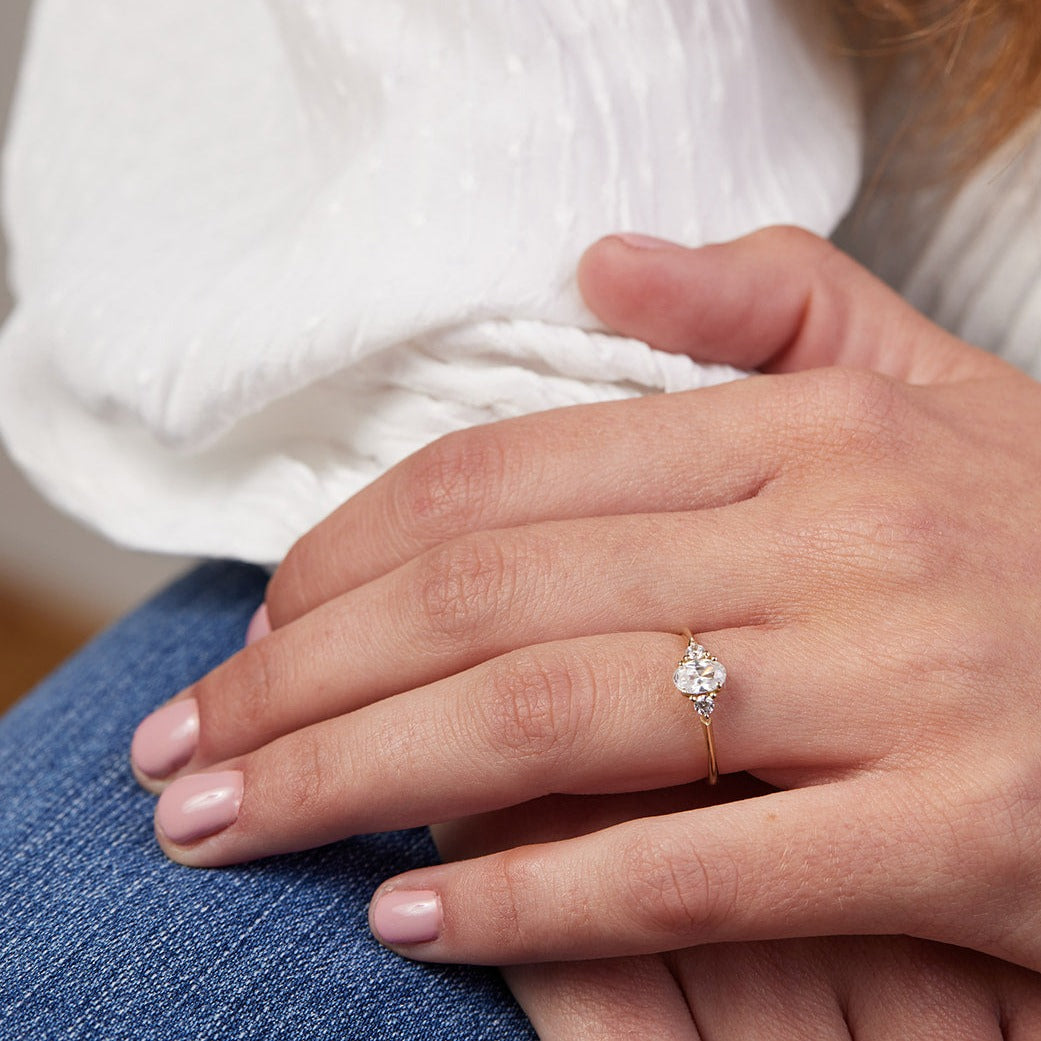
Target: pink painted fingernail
{"points": [[259, 625], [407, 916], [638, 241], [166, 740], [199, 805]]}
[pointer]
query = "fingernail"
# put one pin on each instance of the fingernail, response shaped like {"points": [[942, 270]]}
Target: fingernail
{"points": [[199, 805], [638, 241], [166, 740], [259, 625], [407, 916]]}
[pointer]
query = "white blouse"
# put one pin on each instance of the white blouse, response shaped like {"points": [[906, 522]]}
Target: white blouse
{"points": [[263, 250]]}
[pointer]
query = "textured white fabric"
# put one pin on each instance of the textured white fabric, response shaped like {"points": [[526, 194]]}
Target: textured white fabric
{"points": [[970, 259], [966, 252], [263, 250]]}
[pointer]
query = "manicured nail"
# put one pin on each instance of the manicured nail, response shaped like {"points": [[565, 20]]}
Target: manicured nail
{"points": [[259, 625], [638, 241], [199, 805], [407, 916], [166, 740]]}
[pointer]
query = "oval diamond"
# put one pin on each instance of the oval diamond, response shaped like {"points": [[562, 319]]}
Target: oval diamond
{"points": [[701, 676]]}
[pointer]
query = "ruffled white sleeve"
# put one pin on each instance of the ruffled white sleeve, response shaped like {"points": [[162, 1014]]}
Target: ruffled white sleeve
{"points": [[263, 250]]}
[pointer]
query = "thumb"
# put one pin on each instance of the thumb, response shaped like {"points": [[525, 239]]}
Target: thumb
{"points": [[779, 300]]}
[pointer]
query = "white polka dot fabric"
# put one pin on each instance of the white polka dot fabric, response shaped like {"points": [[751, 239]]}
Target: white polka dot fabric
{"points": [[263, 250]]}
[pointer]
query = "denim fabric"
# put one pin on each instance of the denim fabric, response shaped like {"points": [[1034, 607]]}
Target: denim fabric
{"points": [[102, 937]]}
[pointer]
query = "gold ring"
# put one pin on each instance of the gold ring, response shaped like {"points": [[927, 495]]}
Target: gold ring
{"points": [[699, 677]]}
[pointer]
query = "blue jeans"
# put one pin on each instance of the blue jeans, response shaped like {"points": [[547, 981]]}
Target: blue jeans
{"points": [[102, 937]]}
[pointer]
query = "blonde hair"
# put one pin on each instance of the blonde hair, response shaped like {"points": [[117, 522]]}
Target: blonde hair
{"points": [[975, 65]]}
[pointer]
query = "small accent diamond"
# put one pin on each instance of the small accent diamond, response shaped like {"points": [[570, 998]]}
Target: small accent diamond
{"points": [[694, 650], [703, 705]]}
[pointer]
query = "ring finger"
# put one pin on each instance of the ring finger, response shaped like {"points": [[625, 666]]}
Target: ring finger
{"points": [[591, 715]]}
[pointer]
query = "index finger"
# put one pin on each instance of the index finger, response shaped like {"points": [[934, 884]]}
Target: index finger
{"points": [[687, 450]]}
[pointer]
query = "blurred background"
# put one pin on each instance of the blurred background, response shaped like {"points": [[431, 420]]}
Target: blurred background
{"points": [[58, 582]]}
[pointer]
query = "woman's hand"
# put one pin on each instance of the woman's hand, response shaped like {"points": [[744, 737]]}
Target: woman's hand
{"points": [[832, 988], [493, 621]]}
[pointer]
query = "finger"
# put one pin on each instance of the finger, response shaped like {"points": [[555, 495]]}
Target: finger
{"points": [[589, 716], [932, 992], [605, 999], [825, 860], [584, 716], [779, 300], [772, 991], [697, 449], [610, 999], [472, 599]]}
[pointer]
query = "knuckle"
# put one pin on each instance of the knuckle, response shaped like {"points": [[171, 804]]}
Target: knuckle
{"points": [[677, 892], [870, 404], [519, 898], [898, 543], [900, 535], [514, 877], [788, 239], [464, 586], [850, 410], [301, 768], [239, 702], [999, 822], [293, 588], [533, 707], [448, 487]]}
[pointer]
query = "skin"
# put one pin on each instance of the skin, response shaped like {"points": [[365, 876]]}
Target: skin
{"points": [[853, 533], [886, 988]]}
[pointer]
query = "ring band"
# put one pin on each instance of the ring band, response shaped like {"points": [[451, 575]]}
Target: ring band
{"points": [[699, 677]]}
